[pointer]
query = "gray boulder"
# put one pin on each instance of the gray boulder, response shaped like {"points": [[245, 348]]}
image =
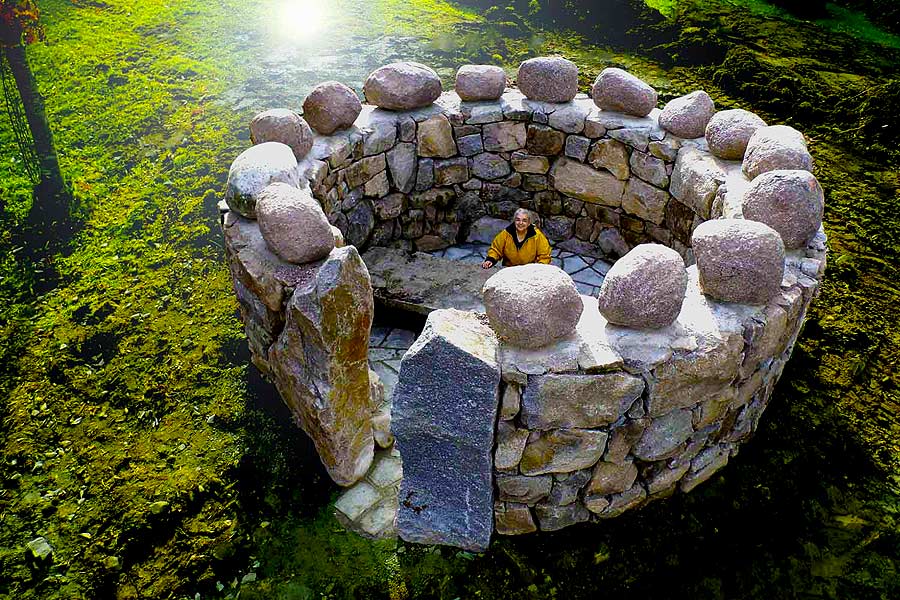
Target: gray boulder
{"points": [[320, 361], [444, 409], [480, 82], [402, 86], [728, 132], [253, 170], [645, 288], [293, 224], [548, 79], [738, 260], [688, 115], [331, 106], [776, 147], [532, 305], [790, 202], [285, 126], [620, 91]]}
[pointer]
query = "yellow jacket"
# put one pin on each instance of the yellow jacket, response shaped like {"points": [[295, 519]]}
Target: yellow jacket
{"points": [[533, 249]]}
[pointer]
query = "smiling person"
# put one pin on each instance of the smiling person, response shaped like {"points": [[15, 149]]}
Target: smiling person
{"points": [[521, 243]]}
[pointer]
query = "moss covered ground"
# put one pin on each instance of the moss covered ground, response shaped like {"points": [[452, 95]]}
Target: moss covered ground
{"points": [[137, 440]]}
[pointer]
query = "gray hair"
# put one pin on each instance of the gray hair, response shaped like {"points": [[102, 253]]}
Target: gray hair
{"points": [[526, 212]]}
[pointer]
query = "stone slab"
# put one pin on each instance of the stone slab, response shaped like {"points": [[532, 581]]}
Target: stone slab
{"points": [[445, 407]]}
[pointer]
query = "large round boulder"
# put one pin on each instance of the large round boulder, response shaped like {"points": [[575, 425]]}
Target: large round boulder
{"points": [[738, 260], [728, 132], [480, 82], [292, 224], [285, 126], [532, 305], [776, 147], [687, 116], [620, 91], [254, 169], [789, 201], [402, 86], [548, 79], [645, 288], [331, 106]]}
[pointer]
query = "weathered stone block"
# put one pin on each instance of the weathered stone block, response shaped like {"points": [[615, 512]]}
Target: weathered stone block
{"points": [[445, 406], [664, 436], [513, 519], [402, 163], [563, 451], [435, 138], [552, 517], [611, 155], [581, 181], [578, 401], [504, 137], [696, 179], [645, 201], [544, 141], [526, 490], [611, 478], [320, 361]]}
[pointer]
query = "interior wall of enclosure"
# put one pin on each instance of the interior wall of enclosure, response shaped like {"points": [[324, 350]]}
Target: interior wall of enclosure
{"points": [[599, 182]]}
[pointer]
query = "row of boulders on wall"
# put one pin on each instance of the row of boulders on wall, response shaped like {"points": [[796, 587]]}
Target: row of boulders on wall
{"points": [[738, 260], [787, 203]]}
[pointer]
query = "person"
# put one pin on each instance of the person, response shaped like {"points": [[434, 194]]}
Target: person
{"points": [[521, 243]]}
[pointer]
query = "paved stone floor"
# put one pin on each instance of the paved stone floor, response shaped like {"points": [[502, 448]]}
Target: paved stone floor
{"points": [[587, 272], [369, 507]]}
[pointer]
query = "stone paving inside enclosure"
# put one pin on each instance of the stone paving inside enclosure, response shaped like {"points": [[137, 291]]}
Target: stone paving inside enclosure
{"points": [[586, 271], [387, 346]]}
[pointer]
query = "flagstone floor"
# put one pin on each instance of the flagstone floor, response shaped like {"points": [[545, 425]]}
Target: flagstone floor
{"points": [[587, 272]]}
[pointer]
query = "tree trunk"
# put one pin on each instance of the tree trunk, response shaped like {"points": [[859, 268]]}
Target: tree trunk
{"points": [[50, 210]]}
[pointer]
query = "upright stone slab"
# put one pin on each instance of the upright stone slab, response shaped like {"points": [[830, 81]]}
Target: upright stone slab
{"points": [[445, 406], [320, 361]]}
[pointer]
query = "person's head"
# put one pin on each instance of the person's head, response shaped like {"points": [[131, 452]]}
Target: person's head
{"points": [[521, 220]]}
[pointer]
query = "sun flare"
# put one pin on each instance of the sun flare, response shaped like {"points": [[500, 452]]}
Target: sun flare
{"points": [[300, 19]]}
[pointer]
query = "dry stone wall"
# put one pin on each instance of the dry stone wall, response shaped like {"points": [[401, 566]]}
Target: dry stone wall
{"points": [[601, 182], [624, 404]]}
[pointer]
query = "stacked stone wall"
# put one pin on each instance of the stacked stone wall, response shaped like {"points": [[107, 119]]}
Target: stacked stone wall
{"points": [[599, 181], [613, 417], [599, 420]]}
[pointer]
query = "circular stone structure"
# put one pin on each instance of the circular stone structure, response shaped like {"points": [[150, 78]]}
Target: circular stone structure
{"points": [[687, 116], [548, 79], [728, 132], [253, 170], [509, 439], [480, 82], [739, 260], [790, 202], [776, 147], [402, 86], [618, 90]]}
